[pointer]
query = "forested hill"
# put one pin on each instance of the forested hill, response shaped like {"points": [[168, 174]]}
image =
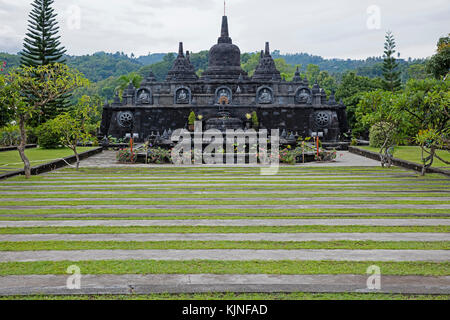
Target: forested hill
{"points": [[100, 66]]}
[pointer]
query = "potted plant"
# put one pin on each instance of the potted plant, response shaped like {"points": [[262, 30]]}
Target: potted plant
{"points": [[191, 121], [255, 121]]}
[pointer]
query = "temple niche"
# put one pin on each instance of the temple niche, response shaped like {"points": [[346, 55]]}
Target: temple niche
{"points": [[224, 96]]}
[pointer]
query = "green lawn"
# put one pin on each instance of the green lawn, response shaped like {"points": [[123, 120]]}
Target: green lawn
{"points": [[418, 268], [37, 156], [414, 154], [208, 245]]}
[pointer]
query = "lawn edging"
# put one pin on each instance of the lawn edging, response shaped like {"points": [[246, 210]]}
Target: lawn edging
{"points": [[397, 162], [53, 165]]}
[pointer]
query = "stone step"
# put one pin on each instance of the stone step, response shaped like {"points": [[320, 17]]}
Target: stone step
{"points": [[199, 207], [279, 237], [205, 283], [228, 223], [261, 199], [228, 255]]}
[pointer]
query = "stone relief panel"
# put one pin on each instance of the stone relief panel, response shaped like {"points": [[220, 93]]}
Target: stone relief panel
{"points": [[303, 96], [264, 95], [224, 94], [183, 95], [144, 96]]}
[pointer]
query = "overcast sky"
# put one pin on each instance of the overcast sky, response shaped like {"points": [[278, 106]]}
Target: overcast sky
{"points": [[330, 28]]}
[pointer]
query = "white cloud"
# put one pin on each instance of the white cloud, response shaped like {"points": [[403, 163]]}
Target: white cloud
{"points": [[322, 27]]}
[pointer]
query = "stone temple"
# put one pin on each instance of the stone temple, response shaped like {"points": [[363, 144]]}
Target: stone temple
{"points": [[223, 98]]}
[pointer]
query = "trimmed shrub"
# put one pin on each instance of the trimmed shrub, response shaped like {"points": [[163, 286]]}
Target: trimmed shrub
{"points": [[191, 119], [255, 120], [48, 137], [9, 136], [378, 132], [32, 135]]}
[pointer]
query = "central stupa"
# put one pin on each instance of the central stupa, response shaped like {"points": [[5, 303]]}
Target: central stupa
{"points": [[224, 58]]}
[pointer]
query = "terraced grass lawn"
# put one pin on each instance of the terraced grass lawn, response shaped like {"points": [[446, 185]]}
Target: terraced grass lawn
{"points": [[171, 193], [37, 156], [414, 154]]}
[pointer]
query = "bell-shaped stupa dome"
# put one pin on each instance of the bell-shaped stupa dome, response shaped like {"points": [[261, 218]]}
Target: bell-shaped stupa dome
{"points": [[224, 58]]}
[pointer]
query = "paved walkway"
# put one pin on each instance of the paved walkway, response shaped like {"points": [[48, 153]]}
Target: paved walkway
{"points": [[278, 237], [107, 159], [229, 223], [198, 283], [228, 255]]}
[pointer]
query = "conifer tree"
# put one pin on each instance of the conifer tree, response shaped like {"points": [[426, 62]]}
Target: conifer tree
{"points": [[391, 75], [42, 47]]}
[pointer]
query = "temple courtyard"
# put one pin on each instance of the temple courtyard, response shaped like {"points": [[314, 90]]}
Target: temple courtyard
{"points": [[226, 232]]}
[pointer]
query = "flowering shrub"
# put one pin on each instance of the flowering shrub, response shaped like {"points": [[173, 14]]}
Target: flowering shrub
{"points": [[159, 156], [288, 156], [327, 155], [126, 156]]}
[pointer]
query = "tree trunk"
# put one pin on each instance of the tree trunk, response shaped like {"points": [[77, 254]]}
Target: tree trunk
{"points": [[21, 147], [78, 158]]}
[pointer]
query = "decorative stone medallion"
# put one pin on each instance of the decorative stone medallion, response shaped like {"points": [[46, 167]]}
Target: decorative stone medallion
{"points": [[125, 119], [322, 119]]}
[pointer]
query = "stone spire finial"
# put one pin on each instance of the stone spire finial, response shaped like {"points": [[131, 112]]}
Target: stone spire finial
{"points": [[188, 56], [224, 34], [267, 49], [180, 50], [297, 77]]}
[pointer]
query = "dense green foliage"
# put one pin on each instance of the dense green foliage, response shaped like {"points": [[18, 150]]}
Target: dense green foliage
{"points": [[378, 136], [101, 65], [45, 83], [439, 64], [350, 91], [48, 137]]}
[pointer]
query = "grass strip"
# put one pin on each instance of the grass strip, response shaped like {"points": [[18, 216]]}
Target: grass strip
{"points": [[419, 189], [199, 217], [68, 195], [402, 182], [216, 229], [224, 267], [238, 296], [243, 203], [199, 245], [194, 211]]}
